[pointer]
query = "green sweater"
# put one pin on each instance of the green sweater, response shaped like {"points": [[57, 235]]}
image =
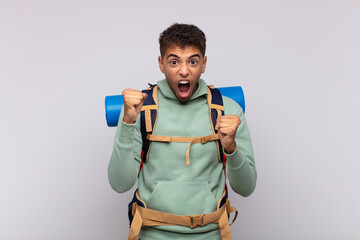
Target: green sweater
{"points": [[165, 183]]}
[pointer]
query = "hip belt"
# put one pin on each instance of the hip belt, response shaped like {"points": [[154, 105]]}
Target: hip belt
{"points": [[141, 216]]}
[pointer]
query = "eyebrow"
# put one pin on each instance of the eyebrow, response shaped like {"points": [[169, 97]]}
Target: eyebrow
{"points": [[195, 55], [174, 55]]}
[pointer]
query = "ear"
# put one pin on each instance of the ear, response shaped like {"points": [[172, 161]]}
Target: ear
{"points": [[204, 64], [161, 65]]}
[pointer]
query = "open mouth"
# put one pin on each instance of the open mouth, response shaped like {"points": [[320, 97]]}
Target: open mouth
{"points": [[184, 89]]}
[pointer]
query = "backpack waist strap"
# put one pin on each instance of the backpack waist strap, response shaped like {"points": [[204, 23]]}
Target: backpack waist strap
{"points": [[147, 217]]}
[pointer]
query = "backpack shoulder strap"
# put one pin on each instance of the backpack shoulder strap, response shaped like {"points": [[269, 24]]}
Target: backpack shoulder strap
{"points": [[216, 108], [148, 116]]}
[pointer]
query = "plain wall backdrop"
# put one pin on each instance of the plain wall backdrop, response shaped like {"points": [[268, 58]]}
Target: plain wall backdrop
{"points": [[297, 61]]}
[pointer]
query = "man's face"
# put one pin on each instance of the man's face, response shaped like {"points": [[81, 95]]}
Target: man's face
{"points": [[182, 68]]}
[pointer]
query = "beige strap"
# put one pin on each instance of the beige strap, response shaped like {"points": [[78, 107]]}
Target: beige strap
{"points": [[148, 217], [148, 125], [136, 224], [209, 98], [217, 107], [231, 209], [149, 107], [155, 94], [204, 139], [191, 140], [219, 112], [200, 140], [224, 226], [156, 218]]}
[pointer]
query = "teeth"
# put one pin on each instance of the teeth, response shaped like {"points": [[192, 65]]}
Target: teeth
{"points": [[184, 82]]}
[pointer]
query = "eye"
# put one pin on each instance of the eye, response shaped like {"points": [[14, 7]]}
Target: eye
{"points": [[173, 62], [193, 62]]}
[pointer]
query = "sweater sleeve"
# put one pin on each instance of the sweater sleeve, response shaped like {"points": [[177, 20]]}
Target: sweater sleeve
{"points": [[126, 156], [240, 164]]}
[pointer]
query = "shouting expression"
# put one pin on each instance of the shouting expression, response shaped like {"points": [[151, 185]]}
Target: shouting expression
{"points": [[182, 68]]}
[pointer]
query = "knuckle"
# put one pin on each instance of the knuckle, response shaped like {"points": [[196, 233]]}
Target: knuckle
{"points": [[125, 91]]}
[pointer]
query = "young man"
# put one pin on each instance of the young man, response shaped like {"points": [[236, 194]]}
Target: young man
{"points": [[174, 179]]}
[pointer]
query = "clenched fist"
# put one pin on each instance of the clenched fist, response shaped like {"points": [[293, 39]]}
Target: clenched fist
{"points": [[133, 101], [227, 126]]}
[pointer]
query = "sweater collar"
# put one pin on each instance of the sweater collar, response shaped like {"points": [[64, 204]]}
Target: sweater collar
{"points": [[166, 91]]}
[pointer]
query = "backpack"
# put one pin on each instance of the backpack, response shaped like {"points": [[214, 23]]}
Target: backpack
{"points": [[139, 215]]}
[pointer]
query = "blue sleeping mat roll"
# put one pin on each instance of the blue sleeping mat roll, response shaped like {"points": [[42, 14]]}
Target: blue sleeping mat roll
{"points": [[113, 104]]}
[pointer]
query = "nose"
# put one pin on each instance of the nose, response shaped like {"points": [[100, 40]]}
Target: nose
{"points": [[184, 71]]}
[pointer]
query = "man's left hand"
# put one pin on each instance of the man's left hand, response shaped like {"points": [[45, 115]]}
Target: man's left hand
{"points": [[227, 126]]}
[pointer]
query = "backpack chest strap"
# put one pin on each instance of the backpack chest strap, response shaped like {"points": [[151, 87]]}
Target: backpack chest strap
{"points": [[149, 118], [191, 140]]}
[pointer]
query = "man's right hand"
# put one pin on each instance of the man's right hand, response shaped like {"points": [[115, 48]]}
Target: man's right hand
{"points": [[133, 101]]}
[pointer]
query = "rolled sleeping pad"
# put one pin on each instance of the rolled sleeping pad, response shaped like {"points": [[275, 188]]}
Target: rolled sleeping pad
{"points": [[113, 104]]}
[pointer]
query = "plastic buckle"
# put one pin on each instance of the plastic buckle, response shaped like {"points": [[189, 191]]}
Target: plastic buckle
{"points": [[196, 221], [203, 140]]}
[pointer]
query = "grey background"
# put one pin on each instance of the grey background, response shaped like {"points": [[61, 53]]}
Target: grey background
{"points": [[298, 62]]}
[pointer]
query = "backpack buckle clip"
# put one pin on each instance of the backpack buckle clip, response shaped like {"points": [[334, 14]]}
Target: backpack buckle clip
{"points": [[196, 220]]}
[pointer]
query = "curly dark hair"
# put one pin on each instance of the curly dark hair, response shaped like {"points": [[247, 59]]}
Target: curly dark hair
{"points": [[182, 35]]}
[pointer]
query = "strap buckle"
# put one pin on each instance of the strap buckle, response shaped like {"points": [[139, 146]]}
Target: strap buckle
{"points": [[196, 220]]}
